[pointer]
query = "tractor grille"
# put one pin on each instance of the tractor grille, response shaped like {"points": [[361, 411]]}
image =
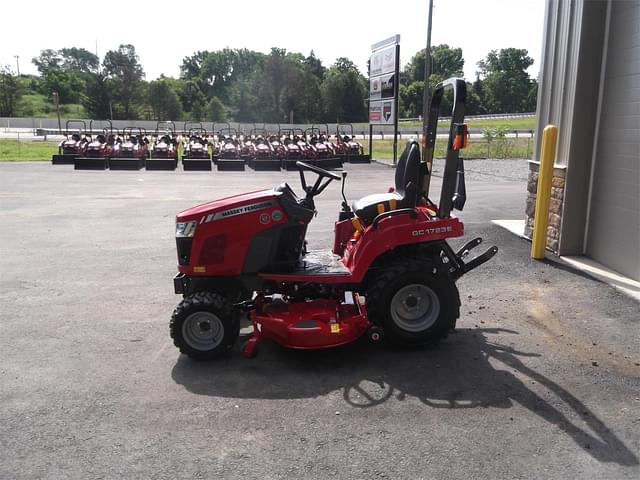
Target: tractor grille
{"points": [[213, 250], [184, 250]]}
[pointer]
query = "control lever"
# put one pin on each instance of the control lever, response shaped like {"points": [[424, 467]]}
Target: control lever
{"points": [[345, 204]]}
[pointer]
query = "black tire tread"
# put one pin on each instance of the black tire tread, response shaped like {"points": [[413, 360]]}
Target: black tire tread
{"points": [[395, 268], [209, 301]]}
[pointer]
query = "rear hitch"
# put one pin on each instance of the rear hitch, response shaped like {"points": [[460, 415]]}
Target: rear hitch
{"points": [[459, 267]]}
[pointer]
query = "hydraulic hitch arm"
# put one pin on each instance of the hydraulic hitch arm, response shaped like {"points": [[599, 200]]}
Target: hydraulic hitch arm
{"points": [[458, 266]]}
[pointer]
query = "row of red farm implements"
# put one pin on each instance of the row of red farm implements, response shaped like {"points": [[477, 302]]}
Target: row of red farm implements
{"points": [[102, 147]]}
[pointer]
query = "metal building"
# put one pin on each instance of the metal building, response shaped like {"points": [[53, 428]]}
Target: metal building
{"points": [[590, 89]]}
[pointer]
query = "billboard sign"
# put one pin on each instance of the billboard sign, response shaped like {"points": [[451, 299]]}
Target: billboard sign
{"points": [[383, 78], [382, 112], [382, 61], [382, 87]]}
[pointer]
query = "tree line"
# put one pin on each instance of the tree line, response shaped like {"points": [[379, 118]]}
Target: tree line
{"points": [[248, 86]]}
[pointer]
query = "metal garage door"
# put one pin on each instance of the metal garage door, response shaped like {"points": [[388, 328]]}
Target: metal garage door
{"points": [[613, 237]]}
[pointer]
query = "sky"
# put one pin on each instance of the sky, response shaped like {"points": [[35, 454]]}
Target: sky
{"points": [[165, 33]]}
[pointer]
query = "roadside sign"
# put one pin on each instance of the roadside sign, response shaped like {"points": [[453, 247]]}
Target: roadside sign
{"points": [[382, 61], [382, 86], [382, 112], [384, 75]]}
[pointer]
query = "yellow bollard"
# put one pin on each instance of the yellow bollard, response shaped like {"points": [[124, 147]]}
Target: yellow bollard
{"points": [[543, 195]]}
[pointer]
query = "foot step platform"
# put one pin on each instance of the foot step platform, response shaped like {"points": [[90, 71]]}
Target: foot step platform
{"points": [[126, 163]]}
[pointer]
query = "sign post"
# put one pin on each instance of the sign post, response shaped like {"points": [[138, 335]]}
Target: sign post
{"points": [[384, 85], [56, 103]]}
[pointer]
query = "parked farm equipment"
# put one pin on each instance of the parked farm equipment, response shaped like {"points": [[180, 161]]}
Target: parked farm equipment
{"points": [[195, 152], [73, 145], [229, 150], [263, 156], [350, 150], [164, 148], [130, 151], [99, 148]]}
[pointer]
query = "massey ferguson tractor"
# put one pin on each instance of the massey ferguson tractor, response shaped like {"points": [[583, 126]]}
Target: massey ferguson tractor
{"points": [[391, 273]]}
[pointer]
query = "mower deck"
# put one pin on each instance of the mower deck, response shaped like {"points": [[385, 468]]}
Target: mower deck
{"points": [[196, 164], [330, 163], [357, 158], [161, 164], [231, 164], [308, 325], [265, 164], [126, 163], [63, 159], [91, 163]]}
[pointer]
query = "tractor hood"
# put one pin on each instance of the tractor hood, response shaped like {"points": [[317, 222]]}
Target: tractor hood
{"points": [[229, 206]]}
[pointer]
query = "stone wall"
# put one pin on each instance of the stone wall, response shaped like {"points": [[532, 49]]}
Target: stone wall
{"points": [[555, 203]]}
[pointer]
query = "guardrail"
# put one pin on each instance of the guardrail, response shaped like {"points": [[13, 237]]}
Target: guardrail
{"points": [[489, 116], [49, 126]]}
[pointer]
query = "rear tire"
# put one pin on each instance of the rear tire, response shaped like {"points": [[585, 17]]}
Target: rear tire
{"points": [[203, 326], [413, 302]]}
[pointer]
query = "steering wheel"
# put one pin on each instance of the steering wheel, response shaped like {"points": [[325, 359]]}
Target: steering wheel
{"points": [[318, 186], [320, 171]]}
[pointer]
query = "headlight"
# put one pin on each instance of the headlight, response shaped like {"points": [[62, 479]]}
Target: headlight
{"points": [[185, 229]]}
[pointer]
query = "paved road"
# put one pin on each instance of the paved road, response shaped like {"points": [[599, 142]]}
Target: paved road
{"points": [[541, 379]]}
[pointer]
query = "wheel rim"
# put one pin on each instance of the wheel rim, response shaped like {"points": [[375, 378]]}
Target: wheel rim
{"points": [[415, 308], [203, 331]]}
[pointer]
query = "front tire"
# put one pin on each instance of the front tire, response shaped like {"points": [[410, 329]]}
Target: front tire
{"points": [[413, 302], [203, 326]]}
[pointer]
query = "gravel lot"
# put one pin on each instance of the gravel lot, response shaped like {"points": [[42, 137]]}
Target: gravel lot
{"points": [[541, 379]]}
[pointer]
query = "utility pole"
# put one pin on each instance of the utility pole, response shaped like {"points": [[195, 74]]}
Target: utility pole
{"points": [[56, 102], [18, 63], [427, 73]]}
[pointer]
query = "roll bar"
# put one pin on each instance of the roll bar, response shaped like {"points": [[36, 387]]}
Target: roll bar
{"points": [[453, 193]]}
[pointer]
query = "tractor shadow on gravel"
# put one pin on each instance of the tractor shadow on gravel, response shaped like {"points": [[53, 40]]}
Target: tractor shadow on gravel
{"points": [[456, 375]]}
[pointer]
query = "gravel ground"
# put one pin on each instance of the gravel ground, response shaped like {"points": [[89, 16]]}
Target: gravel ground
{"points": [[540, 381]]}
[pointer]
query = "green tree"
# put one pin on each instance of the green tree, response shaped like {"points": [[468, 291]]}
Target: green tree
{"points": [[163, 100], [47, 60], [97, 97], [344, 90], [10, 92], [445, 62], [216, 111], [244, 100], [125, 74], [410, 99], [506, 83], [314, 66], [68, 84], [79, 59]]}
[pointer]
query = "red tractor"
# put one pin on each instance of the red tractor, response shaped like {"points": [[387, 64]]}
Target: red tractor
{"points": [[391, 272], [98, 149], [229, 149], [292, 150], [73, 145], [195, 151], [263, 156], [164, 148], [324, 155], [130, 152], [350, 150]]}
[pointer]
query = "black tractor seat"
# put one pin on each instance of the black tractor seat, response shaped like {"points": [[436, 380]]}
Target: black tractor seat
{"points": [[410, 173]]}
